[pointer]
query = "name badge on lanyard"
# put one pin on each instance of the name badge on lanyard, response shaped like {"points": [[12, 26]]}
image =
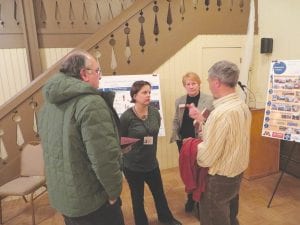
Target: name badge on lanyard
{"points": [[148, 140], [181, 106]]}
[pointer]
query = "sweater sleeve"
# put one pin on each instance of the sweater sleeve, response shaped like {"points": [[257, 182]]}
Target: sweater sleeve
{"points": [[101, 141]]}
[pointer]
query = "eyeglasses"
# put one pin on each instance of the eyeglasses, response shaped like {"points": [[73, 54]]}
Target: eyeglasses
{"points": [[97, 71]]}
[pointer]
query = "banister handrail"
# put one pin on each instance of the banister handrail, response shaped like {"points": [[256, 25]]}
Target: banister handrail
{"points": [[97, 37]]}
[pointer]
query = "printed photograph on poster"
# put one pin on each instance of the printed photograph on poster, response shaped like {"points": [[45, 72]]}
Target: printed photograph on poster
{"points": [[282, 112], [121, 85]]}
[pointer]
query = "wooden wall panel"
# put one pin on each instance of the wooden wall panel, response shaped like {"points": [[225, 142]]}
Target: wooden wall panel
{"points": [[264, 151], [67, 23], [14, 72], [49, 56], [61, 17]]}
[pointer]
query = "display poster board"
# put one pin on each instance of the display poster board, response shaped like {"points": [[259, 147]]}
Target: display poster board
{"points": [[282, 112], [121, 86]]}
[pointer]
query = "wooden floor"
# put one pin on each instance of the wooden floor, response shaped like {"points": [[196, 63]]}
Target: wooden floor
{"points": [[254, 197]]}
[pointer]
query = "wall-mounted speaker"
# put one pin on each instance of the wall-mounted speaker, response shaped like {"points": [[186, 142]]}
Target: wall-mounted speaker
{"points": [[266, 45]]}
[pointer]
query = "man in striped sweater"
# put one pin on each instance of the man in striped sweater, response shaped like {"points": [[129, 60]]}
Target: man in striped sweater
{"points": [[225, 146]]}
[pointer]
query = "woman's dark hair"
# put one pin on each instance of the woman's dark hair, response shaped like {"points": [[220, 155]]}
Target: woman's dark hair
{"points": [[136, 87], [74, 63]]}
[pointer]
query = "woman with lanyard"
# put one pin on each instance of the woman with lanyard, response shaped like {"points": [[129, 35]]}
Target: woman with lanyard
{"points": [[142, 121]]}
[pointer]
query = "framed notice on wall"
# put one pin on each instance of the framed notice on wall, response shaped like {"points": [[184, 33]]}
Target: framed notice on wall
{"points": [[121, 86], [282, 112]]}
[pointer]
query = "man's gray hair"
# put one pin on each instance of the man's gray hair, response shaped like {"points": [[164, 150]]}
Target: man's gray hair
{"points": [[226, 72], [74, 62]]}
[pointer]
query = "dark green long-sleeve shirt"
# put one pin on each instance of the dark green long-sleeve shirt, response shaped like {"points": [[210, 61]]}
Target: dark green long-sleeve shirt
{"points": [[142, 157]]}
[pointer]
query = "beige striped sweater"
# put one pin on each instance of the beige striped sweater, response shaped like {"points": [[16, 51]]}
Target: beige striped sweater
{"points": [[226, 137]]}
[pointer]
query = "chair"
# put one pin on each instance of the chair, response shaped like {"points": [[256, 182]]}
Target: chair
{"points": [[31, 177]]}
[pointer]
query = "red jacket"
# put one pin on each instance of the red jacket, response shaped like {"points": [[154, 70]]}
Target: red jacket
{"points": [[193, 176]]}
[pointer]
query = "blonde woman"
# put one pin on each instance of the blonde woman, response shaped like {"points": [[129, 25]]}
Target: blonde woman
{"points": [[183, 126]]}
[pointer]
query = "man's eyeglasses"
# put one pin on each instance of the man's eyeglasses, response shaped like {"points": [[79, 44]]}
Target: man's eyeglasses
{"points": [[97, 71]]}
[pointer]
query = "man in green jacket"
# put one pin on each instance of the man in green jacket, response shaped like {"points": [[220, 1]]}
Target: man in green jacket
{"points": [[79, 134]]}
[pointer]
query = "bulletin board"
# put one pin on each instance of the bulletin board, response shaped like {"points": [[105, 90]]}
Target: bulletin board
{"points": [[121, 86], [282, 111]]}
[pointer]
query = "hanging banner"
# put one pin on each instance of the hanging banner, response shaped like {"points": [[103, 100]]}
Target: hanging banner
{"points": [[121, 86], [282, 112]]}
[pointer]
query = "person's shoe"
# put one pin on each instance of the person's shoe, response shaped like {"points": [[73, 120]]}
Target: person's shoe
{"points": [[173, 222], [189, 205]]}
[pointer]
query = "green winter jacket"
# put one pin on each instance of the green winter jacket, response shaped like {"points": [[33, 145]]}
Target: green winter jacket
{"points": [[81, 147]]}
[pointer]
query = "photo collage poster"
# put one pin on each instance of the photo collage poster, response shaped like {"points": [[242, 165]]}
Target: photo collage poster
{"points": [[121, 85], [282, 112]]}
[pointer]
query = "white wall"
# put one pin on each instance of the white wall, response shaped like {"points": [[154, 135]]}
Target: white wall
{"points": [[278, 20]]}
